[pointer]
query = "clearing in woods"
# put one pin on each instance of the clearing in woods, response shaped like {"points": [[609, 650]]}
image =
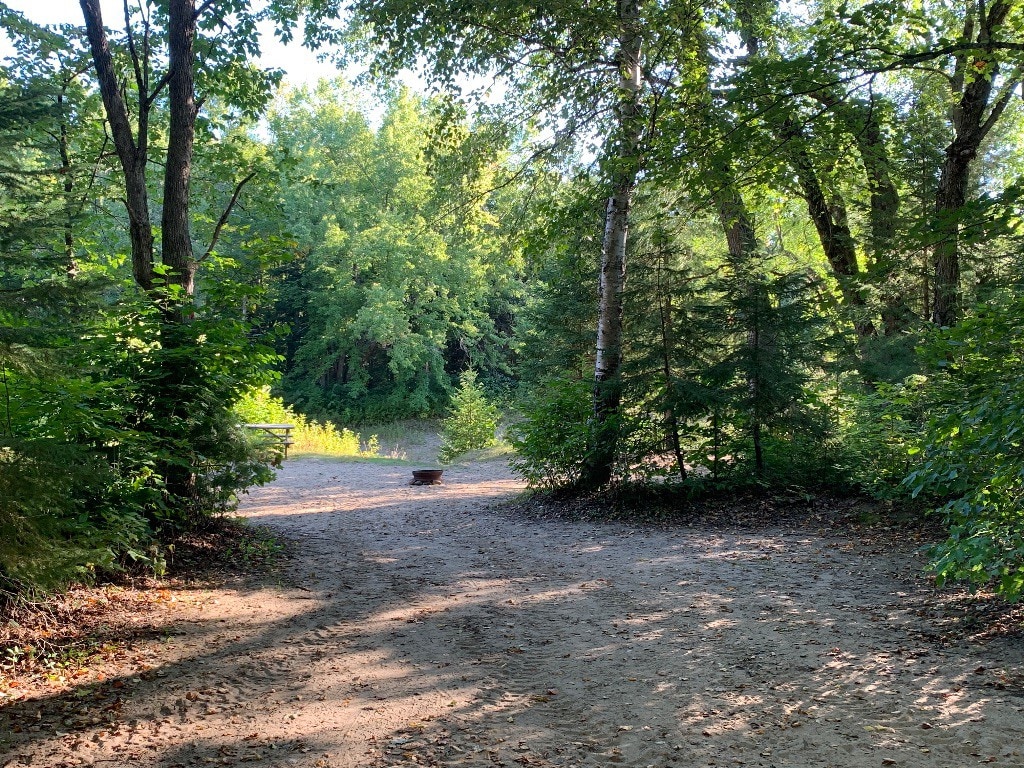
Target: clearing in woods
{"points": [[424, 626]]}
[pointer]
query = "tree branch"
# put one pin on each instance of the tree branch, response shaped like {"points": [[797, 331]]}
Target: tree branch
{"points": [[225, 215], [204, 8], [1002, 101], [160, 85], [140, 81]]}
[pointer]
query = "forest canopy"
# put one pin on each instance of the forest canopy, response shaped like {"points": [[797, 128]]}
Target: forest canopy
{"points": [[704, 248]]}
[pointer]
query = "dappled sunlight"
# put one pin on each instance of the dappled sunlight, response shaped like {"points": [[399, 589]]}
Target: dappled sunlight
{"points": [[407, 631], [552, 595], [719, 624], [287, 504]]}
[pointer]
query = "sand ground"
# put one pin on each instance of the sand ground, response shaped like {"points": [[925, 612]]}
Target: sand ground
{"points": [[429, 626]]}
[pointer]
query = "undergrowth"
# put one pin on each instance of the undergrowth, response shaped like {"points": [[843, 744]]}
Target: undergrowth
{"points": [[55, 638], [326, 438]]}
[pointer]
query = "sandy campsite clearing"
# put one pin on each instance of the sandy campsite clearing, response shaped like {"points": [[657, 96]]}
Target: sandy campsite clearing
{"points": [[426, 626]]}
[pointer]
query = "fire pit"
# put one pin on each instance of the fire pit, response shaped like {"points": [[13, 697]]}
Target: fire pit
{"points": [[426, 477]]}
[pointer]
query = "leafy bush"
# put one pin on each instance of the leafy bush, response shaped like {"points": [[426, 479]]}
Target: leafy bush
{"points": [[258, 405], [473, 421], [971, 456], [71, 506], [552, 441], [170, 394], [50, 533], [880, 436], [115, 436]]}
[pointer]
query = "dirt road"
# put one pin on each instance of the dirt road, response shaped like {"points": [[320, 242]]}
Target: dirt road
{"points": [[420, 626]]}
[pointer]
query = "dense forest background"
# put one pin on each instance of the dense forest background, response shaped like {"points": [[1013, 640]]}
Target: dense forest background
{"points": [[703, 248]]}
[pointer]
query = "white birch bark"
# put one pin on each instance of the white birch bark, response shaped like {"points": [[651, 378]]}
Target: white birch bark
{"points": [[625, 168]]}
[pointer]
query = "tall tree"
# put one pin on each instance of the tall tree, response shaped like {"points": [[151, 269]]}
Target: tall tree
{"points": [[981, 92], [793, 135], [625, 163], [582, 69], [133, 143], [974, 49], [405, 268], [147, 80]]}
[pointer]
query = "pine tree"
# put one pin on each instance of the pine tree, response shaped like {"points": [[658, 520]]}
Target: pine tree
{"points": [[473, 421]]}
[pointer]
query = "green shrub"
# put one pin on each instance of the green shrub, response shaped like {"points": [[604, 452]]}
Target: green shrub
{"points": [[551, 441], [172, 387], [472, 424], [880, 436], [258, 405], [51, 532], [972, 454]]}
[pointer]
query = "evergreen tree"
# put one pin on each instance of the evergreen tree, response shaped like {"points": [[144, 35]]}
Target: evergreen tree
{"points": [[472, 423]]}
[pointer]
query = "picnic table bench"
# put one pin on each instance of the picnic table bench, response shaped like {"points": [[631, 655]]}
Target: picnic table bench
{"points": [[277, 433]]}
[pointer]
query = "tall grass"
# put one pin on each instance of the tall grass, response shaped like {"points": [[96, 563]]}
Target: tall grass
{"points": [[258, 405]]}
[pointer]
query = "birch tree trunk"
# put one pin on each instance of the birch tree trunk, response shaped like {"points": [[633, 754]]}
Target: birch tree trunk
{"points": [[625, 168]]}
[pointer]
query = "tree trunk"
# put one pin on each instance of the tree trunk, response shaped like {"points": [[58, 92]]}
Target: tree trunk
{"points": [[132, 152], [833, 231], [950, 198], [861, 121], [972, 120], [740, 236], [177, 371], [176, 236], [608, 359], [885, 200], [741, 240], [755, 435]]}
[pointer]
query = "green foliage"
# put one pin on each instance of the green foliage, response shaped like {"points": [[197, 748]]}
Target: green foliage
{"points": [[51, 529], [724, 375], [405, 277], [880, 435], [258, 405], [115, 426], [394, 252], [472, 423], [179, 381], [555, 325], [772, 344], [724, 380], [99, 462], [971, 453], [64, 510], [551, 441]]}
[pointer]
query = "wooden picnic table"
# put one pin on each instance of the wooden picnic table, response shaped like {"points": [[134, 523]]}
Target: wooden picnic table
{"points": [[279, 433]]}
